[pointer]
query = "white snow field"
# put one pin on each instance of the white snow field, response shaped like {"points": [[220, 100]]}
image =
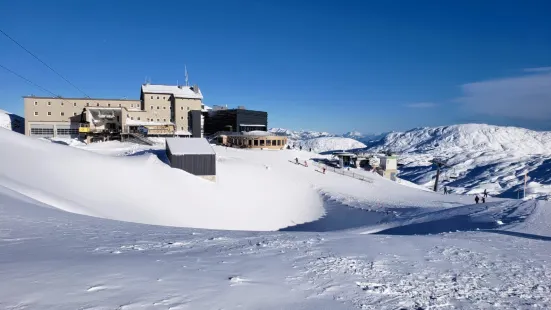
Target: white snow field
{"points": [[327, 144], [380, 244], [11, 121]]}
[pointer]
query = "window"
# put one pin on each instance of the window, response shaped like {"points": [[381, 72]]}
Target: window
{"points": [[120, 105], [268, 142], [118, 118], [158, 120], [74, 104], [164, 108], [157, 97], [147, 119], [261, 142], [67, 131], [138, 118], [74, 113], [151, 97], [62, 113], [35, 103], [87, 104], [35, 113], [202, 107], [181, 108], [97, 104], [132, 105], [42, 131], [62, 103], [158, 107], [49, 113], [151, 107], [181, 117], [109, 105], [132, 118], [163, 97], [188, 108], [181, 128], [49, 103]]}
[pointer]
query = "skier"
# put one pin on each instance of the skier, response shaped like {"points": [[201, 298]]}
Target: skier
{"points": [[485, 193], [296, 160], [301, 147], [305, 164], [476, 199], [310, 149], [483, 199], [445, 190], [323, 169]]}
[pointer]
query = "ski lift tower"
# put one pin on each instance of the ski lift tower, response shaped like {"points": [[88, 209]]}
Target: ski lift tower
{"points": [[439, 164]]}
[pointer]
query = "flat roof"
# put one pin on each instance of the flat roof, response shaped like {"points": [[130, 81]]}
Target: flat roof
{"points": [[75, 98], [176, 91], [189, 146]]}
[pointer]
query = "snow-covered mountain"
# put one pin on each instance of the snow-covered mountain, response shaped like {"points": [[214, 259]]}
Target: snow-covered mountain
{"points": [[324, 141], [12, 122], [479, 157]]}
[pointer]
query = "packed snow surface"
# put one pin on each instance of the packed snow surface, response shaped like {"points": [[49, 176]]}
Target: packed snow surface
{"points": [[391, 246]]}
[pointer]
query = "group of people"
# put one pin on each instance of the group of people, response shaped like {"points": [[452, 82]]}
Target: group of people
{"points": [[483, 198], [476, 198]]}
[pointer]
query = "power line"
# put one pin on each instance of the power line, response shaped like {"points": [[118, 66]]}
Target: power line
{"points": [[27, 80], [45, 64]]}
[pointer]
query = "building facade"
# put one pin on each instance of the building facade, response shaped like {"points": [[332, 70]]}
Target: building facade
{"points": [[159, 105], [234, 120]]}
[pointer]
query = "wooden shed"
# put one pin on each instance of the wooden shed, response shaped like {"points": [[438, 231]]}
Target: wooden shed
{"points": [[193, 155]]}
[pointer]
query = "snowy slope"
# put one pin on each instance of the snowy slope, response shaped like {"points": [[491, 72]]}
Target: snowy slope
{"points": [[479, 157], [11, 122], [410, 251], [145, 190], [325, 144]]}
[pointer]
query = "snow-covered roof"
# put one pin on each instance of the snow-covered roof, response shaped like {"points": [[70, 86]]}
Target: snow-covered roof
{"points": [[176, 91], [257, 133], [182, 132], [253, 125], [187, 146]]}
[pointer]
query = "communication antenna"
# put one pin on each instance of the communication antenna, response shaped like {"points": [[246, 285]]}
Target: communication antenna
{"points": [[187, 77]]}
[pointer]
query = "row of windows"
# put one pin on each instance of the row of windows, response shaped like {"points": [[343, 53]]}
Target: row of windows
{"points": [[60, 113], [42, 131], [238, 141], [88, 104], [67, 131], [164, 98]]}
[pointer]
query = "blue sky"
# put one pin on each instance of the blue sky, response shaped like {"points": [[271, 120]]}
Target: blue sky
{"points": [[336, 66]]}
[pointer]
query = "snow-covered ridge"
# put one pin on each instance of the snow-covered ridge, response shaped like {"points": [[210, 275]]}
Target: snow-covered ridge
{"points": [[467, 138]]}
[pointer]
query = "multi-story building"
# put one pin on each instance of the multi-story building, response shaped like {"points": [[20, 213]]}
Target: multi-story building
{"points": [[158, 105]]}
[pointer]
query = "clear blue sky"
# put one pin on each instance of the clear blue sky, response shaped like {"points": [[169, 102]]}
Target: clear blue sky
{"points": [[370, 66]]}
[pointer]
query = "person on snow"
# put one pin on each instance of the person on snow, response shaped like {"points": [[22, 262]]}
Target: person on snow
{"points": [[483, 199], [485, 193], [476, 199], [305, 164], [296, 160], [323, 169], [301, 147], [445, 190]]}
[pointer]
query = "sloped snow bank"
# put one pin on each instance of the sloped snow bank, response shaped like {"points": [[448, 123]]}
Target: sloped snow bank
{"points": [[325, 144], [142, 189]]}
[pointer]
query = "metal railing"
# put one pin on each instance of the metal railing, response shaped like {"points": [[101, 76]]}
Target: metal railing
{"points": [[345, 172]]}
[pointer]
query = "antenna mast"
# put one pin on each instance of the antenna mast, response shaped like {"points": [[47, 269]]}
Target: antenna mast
{"points": [[187, 77]]}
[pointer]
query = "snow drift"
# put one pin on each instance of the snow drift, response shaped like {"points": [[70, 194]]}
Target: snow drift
{"points": [[325, 144], [11, 122], [143, 189]]}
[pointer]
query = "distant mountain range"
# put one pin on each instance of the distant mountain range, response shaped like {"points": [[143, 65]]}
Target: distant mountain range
{"points": [[479, 156]]}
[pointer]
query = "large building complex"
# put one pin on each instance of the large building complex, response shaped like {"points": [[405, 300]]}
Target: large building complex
{"points": [[163, 109]]}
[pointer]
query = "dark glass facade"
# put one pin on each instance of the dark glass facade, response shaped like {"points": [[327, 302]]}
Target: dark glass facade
{"points": [[235, 120]]}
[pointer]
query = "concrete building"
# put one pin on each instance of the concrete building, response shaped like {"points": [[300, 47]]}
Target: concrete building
{"points": [[159, 106], [194, 155], [388, 166]]}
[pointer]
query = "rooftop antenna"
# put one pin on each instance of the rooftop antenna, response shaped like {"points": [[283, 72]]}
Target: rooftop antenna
{"points": [[187, 77]]}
